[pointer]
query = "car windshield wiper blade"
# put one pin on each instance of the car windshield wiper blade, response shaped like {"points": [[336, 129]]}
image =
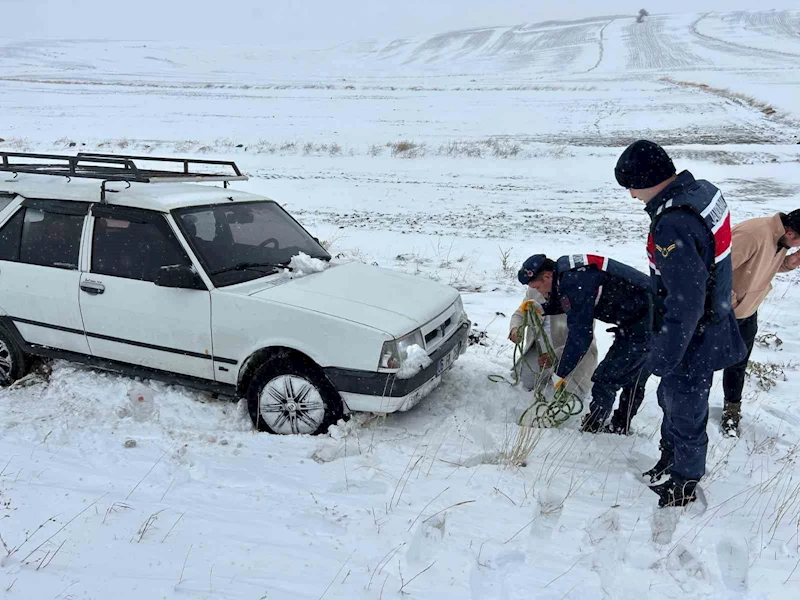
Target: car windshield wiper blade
{"points": [[254, 266]]}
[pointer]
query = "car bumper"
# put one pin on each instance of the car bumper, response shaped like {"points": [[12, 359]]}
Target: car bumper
{"points": [[368, 391]]}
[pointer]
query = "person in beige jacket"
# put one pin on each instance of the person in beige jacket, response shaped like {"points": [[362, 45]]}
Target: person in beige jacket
{"points": [[534, 369], [759, 251]]}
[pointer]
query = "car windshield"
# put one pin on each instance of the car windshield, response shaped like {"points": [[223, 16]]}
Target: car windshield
{"points": [[244, 241]]}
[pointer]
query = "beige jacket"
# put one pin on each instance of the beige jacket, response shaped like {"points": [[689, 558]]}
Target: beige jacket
{"points": [[516, 318], [555, 326], [756, 259]]}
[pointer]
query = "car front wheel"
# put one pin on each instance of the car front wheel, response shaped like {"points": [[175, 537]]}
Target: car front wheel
{"points": [[13, 363], [291, 395]]}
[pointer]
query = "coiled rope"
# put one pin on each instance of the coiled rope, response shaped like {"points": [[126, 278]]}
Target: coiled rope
{"points": [[543, 412]]}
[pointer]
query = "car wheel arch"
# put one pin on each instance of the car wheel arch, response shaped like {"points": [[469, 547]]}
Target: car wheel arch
{"points": [[252, 363]]}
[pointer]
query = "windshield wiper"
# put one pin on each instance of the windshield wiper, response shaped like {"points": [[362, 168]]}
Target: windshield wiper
{"points": [[254, 266]]}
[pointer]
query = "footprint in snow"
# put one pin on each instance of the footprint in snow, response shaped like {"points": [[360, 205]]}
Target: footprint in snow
{"points": [[603, 530], [665, 520], [427, 540], [734, 564], [549, 505], [664, 523], [686, 569], [489, 579]]}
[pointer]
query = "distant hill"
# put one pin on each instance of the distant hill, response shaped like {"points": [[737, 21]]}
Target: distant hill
{"points": [[662, 44]]}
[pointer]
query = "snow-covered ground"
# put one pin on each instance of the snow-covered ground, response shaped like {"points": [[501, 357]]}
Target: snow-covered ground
{"points": [[453, 157]]}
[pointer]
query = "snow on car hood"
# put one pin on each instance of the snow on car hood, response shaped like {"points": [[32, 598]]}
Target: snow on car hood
{"points": [[393, 302]]}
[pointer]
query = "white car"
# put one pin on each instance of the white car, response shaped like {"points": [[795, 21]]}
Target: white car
{"points": [[191, 284]]}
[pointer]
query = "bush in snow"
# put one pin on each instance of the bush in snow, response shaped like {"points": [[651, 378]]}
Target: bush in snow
{"points": [[766, 375], [406, 149]]}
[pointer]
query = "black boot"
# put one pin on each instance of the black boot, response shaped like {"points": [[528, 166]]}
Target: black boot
{"points": [[629, 402], [660, 469], [675, 492], [620, 424], [731, 415], [592, 423]]}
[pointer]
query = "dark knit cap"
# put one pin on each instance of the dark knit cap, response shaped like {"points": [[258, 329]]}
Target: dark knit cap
{"points": [[643, 165], [530, 268]]}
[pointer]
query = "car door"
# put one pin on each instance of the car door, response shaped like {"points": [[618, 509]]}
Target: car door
{"points": [[40, 244], [127, 316]]}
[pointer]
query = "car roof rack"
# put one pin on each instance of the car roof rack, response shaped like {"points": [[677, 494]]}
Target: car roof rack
{"points": [[119, 167]]}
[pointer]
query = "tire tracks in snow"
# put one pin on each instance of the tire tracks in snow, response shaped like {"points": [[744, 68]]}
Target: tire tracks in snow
{"points": [[652, 45], [771, 23], [726, 46]]}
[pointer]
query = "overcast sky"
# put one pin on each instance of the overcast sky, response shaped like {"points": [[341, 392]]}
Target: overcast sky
{"points": [[307, 23]]}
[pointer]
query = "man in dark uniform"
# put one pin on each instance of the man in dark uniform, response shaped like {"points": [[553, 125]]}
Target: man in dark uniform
{"points": [[588, 287], [695, 330]]}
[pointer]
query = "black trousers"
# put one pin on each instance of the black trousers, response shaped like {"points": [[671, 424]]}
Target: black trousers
{"points": [[621, 368], [733, 377]]}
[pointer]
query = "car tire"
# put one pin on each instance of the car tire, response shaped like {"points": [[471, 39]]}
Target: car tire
{"points": [[13, 362], [291, 395]]}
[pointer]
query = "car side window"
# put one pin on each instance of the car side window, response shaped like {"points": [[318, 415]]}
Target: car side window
{"points": [[133, 248], [50, 239], [10, 236]]}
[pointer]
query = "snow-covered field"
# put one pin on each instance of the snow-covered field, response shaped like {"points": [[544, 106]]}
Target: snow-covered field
{"points": [[454, 157]]}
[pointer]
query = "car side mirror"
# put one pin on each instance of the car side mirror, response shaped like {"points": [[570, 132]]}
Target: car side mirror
{"points": [[179, 276]]}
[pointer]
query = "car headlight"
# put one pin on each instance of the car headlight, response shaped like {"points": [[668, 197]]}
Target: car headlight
{"points": [[395, 351]]}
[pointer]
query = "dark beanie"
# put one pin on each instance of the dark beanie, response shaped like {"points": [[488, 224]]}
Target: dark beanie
{"points": [[643, 165], [530, 268]]}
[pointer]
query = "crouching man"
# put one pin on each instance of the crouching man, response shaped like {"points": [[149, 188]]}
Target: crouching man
{"points": [[534, 366], [589, 287]]}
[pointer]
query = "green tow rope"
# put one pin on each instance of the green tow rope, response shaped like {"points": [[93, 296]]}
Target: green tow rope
{"points": [[564, 404]]}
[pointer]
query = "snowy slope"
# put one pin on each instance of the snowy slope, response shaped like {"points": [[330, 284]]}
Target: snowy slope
{"points": [[512, 136], [770, 32]]}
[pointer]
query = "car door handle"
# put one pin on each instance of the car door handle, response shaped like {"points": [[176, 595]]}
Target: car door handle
{"points": [[93, 288]]}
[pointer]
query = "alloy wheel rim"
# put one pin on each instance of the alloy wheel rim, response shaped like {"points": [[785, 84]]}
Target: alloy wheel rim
{"points": [[6, 363], [290, 404]]}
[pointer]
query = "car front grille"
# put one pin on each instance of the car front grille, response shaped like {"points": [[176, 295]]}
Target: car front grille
{"points": [[439, 329]]}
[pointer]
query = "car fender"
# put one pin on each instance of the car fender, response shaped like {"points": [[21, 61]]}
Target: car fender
{"points": [[242, 326]]}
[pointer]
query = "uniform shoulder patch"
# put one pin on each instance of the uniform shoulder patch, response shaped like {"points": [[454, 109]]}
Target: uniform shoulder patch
{"points": [[665, 250], [566, 305]]}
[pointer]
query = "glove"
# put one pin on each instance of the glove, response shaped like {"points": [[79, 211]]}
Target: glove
{"points": [[527, 305]]}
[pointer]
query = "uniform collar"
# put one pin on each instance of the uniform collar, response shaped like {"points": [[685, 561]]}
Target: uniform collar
{"points": [[684, 179]]}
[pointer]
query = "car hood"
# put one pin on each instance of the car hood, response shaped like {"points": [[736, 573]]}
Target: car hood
{"points": [[393, 302]]}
